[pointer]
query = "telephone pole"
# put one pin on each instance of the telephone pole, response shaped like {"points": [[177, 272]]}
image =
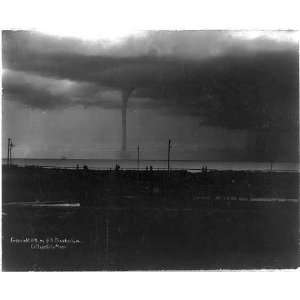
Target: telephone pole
{"points": [[138, 157], [8, 151], [10, 145], [169, 150]]}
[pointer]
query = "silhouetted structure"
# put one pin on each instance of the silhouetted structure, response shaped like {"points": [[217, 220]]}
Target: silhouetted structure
{"points": [[169, 150], [138, 157], [10, 145]]}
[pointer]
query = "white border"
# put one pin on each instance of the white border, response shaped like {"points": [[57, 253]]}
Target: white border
{"points": [[141, 15]]}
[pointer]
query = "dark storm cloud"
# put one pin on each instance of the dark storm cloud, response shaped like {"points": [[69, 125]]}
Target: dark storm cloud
{"points": [[226, 81], [48, 93]]}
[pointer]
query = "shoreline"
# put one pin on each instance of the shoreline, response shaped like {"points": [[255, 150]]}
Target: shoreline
{"points": [[139, 187], [158, 165]]}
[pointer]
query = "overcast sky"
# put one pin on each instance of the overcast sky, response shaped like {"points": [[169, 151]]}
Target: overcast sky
{"points": [[218, 95]]}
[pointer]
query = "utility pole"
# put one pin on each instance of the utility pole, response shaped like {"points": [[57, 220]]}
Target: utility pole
{"points": [[169, 150], [10, 154], [138, 157], [10, 145], [8, 151]]}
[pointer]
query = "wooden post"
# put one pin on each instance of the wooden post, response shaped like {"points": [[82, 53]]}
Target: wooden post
{"points": [[169, 150], [138, 157], [11, 146], [8, 151]]}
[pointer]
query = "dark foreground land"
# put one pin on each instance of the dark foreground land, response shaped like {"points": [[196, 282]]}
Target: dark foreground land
{"points": [[129, 220]]}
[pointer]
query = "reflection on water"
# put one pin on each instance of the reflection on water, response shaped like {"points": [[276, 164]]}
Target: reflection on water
{"points": [[62, 204], [40, 204]]}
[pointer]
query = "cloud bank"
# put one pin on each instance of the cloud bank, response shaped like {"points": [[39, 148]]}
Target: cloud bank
{"points": [[223, 79]]}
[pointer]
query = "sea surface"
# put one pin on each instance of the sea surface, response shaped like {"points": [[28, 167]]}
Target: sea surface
{"points": [[192, 165]]}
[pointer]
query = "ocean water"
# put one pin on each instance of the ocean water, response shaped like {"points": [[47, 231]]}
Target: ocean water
{"points": [[192, 165]]}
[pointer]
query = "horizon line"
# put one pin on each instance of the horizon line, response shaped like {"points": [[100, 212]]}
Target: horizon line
{"points": [[149, 159]]}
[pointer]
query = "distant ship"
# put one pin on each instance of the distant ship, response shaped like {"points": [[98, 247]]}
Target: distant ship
{"points": [[63, 158]]}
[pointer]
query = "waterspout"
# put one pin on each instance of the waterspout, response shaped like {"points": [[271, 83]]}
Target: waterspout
{"points": [[125, 97]]}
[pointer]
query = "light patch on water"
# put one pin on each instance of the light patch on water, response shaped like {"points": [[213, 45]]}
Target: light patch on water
{"points": [[39, 204]]}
